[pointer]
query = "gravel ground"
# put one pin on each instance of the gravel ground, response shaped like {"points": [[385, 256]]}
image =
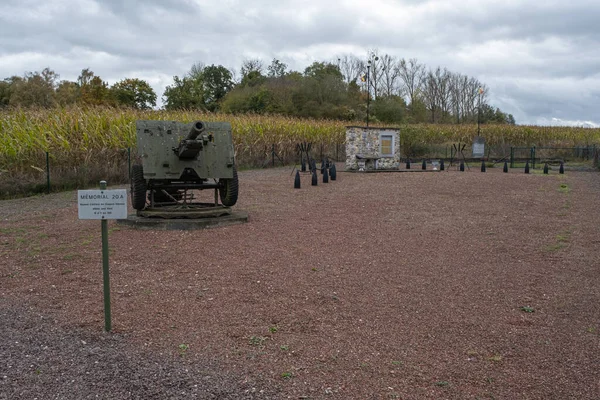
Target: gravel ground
{"points": [[441, 285], [42, 360]]}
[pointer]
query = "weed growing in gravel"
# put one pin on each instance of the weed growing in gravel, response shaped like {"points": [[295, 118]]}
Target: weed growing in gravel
{"points": [[183, 348], [397, 363], [287, 375], [563, 237], [442, 383], [273, 329], [495, 358], [257, 340], [527, 309], [554, 247], [564, 188], [591, 329], [284, 347]]}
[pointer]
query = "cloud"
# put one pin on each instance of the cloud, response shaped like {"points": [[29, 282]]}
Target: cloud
{"points": [[537, 58]]}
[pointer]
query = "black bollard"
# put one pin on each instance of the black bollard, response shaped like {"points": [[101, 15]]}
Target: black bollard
{"points": [[297, 180], [442, 165], [527, 167], [424, 165], [315, 181], [482, 166], [505, 169], [303, 164], [313, 164], [333, 172], [407, 163], [325, 175], [561, 170], [462, 166], [546, 168]]}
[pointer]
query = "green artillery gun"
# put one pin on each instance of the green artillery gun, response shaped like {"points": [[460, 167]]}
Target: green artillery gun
{"points": [[175, 160]]}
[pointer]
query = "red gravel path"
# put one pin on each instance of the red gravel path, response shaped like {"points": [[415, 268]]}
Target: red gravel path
{"points": [[375, 286]]}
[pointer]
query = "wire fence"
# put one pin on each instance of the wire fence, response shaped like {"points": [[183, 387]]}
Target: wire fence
{"points": [[114, 166]]}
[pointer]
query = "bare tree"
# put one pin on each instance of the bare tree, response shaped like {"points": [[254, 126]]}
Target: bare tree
{"points": [[389, 75], [430, 93], [443, 92], [351, 67], [251, 65], [412, 74]]}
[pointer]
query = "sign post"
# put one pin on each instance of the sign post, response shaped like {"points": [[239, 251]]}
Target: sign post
{"points": [[103, 204]]}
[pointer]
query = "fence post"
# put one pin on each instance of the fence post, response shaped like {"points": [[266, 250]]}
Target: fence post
{"points": [[47, 173], [512, 157], [533, 161]]}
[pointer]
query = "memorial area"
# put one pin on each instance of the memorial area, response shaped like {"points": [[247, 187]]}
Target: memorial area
{"points": [[370, 148]]}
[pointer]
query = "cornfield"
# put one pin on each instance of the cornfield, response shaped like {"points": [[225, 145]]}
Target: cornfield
{"points": [[81, 140]]}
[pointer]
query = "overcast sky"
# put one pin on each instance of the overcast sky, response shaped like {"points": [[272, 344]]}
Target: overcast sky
{"points": [[540, 59]]}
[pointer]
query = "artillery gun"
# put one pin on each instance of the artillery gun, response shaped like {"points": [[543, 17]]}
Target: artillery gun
{"points": [[175, 160]]}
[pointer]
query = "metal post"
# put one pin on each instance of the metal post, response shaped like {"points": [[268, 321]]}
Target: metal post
{"points": [[512, 157], [479, 112], [47, 173], [368, 92], [531, 154], [105, 271]]}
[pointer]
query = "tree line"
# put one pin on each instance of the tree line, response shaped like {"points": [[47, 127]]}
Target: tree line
{"points": [[390, 89]]}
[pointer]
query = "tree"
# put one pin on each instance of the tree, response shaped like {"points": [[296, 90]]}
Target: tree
{"points": [[250, 66], [67, 93], [203, 88], [412, 75], [134, 93], [216, 82], [389, 75], [277, 69], [389, 109], [93, 90], [34, 90], [5, 91], [351, 67], [185, 93]]}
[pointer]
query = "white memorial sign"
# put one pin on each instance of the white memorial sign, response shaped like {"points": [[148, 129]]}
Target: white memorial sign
{"points": [[478, 147], [102, 204]]}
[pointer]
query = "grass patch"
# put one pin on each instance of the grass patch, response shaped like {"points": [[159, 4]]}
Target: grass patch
{"points": [[495, 358], [554, 247], [527, 309], [183, 348], [257, 340], [564, 188], [442, 383], [563, 237]]}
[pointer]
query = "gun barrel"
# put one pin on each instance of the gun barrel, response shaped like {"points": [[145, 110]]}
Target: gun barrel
{"points": [[196, 130]]}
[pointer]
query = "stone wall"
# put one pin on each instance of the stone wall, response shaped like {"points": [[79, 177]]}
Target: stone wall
{"points": [[364, 142]]}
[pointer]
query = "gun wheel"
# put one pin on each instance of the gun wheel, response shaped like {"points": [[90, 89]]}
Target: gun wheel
{"points": [[228, 191], [138, 187]]}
